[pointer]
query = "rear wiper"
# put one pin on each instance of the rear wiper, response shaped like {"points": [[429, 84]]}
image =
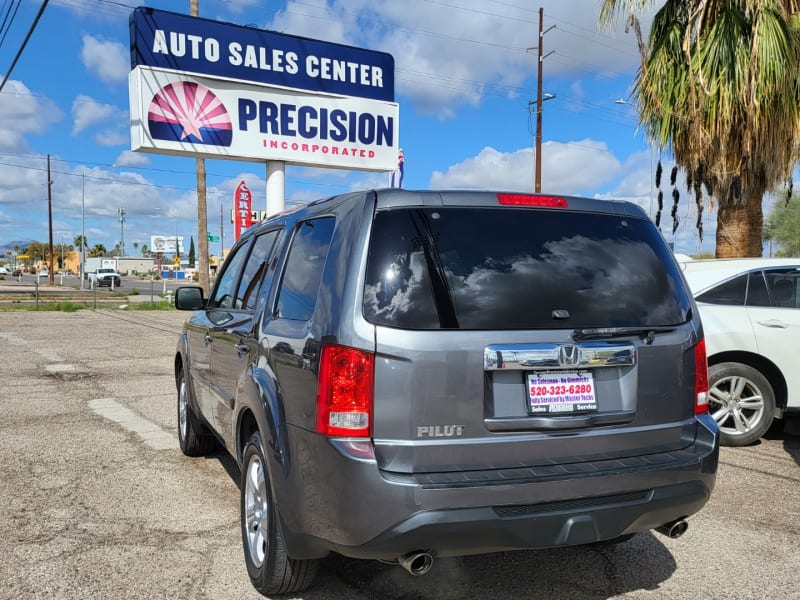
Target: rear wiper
{"points": [[648, 334]]}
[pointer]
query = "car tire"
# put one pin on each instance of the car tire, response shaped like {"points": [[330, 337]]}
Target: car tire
{"points": [[193, 437], [741, 401], [270, 568]]}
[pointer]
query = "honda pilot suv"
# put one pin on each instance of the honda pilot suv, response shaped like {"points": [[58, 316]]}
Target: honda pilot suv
{"points": [[410, 375]]}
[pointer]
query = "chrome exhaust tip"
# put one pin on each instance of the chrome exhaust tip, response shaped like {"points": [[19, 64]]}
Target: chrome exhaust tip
{"points": [[417, 563], [673, 530]]}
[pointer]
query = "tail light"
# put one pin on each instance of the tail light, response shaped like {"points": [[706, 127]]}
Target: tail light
{"points": [[532, 200], [700, 378], [344, 392]]}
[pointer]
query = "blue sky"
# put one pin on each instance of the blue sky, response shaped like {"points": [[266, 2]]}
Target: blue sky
{"points": [[464, 79]]}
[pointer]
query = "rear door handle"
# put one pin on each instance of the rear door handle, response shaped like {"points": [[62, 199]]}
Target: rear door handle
{"points": [[208, 339], [774, 323]]}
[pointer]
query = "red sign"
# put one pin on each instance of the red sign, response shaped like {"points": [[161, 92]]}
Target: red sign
{"points": [[242, 201]]}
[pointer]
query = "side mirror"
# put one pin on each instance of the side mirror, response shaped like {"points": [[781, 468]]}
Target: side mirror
{"points": [[189, 298]]}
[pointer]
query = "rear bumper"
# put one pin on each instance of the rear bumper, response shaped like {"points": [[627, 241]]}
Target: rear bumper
{"points": [[455, 532], [344, 504]]}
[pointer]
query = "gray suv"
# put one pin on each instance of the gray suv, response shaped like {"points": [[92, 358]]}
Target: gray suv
{"points": [[409, 375]]}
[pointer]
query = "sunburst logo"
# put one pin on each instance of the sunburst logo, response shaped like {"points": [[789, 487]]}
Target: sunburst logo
{"points": [[188, 112]]}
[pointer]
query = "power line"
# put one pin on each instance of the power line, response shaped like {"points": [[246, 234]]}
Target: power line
{"points": [[24, 43], [5, 19]]}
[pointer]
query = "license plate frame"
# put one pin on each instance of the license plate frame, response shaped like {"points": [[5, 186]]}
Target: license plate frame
{"points": [[561, 393]]}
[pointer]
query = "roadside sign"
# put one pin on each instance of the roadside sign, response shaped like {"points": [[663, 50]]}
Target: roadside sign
{"points": [[212, 238]]}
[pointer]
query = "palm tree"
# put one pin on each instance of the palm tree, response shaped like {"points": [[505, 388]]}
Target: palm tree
{"points": [[145, 250], [98, 250], [80, 241], [717, 86]]}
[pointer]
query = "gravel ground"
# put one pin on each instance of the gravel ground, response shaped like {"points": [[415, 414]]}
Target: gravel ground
{"points": [[92, 509]]}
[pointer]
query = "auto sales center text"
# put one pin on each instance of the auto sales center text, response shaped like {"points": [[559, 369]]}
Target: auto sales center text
{"points": [[266, 59]]}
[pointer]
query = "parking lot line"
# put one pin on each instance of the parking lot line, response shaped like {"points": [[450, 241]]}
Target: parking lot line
{"points": [[150, 433]]}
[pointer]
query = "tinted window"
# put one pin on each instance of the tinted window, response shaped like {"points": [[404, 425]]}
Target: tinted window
{"points": [[757, 294], [730, 292], [783, 286], [485, 268], [303, 272], [254, 270], [225, 292]]}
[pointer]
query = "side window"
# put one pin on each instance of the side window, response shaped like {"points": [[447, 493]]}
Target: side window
{"points": [[225, 293], [757, 294], [254, 270], [730, 292], [783, 286], [303, 271]]}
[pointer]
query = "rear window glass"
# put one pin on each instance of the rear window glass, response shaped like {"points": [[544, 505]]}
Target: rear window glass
{"points": [[496, 268]]}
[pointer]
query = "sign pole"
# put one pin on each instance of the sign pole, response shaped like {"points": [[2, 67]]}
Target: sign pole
{"points": [[276, 187], [202, 215]]}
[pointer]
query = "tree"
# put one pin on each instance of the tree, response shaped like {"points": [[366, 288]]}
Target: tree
{"points": [[98, 250], [783, 227], [145, 250], [135, 247], [80, 242], [191, 252], [37, 250], [717, 86]]}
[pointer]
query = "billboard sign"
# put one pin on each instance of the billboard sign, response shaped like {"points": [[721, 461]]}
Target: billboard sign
{"points": [[243, 201], [180, 42], [166, 244], [174, 113]]}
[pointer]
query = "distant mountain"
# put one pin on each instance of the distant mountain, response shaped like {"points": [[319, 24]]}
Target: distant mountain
{"points": [[10, 245]]}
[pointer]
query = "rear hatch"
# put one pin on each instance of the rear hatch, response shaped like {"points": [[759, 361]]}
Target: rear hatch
{"points": [[520, 335]]}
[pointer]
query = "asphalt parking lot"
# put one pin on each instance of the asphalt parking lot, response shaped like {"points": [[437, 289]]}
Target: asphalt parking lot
{"points": [[97, 500]]}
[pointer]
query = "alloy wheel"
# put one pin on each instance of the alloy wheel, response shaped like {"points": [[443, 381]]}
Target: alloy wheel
{"points": [[183, 417], [256, 511], [736, 404]]}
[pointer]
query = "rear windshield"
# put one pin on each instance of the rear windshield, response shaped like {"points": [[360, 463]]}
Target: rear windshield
{"points": [[500, 268]]}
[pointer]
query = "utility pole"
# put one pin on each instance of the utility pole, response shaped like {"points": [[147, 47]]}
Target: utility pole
{"points": [[50, 274], [202, 216], [539, 100], [121, 212], [83, 226]]}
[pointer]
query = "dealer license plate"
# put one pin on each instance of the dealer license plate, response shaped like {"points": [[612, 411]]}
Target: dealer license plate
{"points": [[560, 392]]}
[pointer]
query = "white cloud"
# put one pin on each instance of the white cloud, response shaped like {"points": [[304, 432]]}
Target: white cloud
{"points": [[108, 60], [485, 49], [22, 112], [567, 168], [113, 137], [23, 182], [128, 158], [238, 6], [87, 111]]}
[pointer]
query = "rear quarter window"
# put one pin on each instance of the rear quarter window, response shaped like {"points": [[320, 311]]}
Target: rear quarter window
{"points": [[732, 292], [302, 274], [500, 268]]}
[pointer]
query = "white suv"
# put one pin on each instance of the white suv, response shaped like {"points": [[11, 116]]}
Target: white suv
{"points": [[750, 309]]}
